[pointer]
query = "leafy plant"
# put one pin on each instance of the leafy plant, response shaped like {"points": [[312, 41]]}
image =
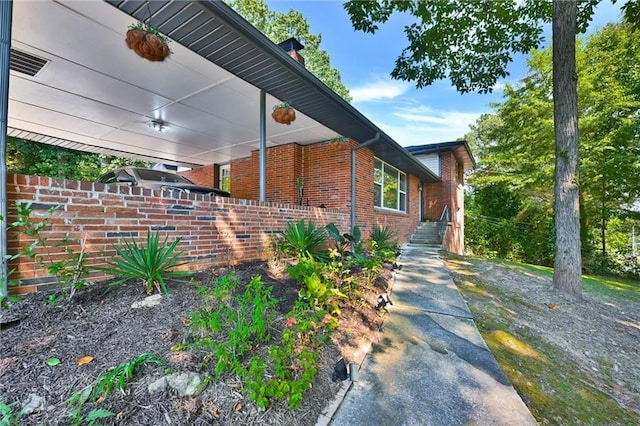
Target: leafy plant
{"points": [[148, 28], [70, 269], [317, 290], [371, 267], [122, 374], [150, 263], [382, 244], [100, 388], [304, 240], [9, 418], [241, 322], [286, 360], [346, 244], [77, 401]]}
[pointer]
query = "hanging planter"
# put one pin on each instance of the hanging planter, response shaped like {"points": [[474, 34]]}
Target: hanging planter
{"points": [[148, 42], [283, 113]]}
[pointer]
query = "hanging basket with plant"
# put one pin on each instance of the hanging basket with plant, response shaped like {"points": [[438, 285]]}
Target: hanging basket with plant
{"points": [[148, 42], [283, 113]]}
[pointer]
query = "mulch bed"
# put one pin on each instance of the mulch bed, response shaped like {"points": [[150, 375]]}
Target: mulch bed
{"points": [[103, 325]]}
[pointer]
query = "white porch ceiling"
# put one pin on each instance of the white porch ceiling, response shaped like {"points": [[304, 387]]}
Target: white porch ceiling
{"points": [[96, 94]]}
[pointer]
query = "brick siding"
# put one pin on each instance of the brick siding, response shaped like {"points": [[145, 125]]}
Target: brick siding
{"points": [[325, 169], [214, 230]]}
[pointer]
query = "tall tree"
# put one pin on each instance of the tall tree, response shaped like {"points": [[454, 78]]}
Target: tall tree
{"points": [[567, 274], [281, 26], [471, 43], [515, 144]]}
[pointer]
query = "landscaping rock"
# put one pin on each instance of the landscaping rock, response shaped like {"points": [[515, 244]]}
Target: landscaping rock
{"points": [[34, 403], [186, 384], [148, 301]]}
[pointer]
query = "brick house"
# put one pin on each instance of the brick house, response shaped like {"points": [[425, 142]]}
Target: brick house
{"points": [[212, 97]]}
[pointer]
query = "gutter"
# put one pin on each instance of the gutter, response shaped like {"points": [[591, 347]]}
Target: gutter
{"points": [[353, 177], [6, 12]]}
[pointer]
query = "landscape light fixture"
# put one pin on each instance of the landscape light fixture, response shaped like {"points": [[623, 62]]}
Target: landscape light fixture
{"points": [[157, 125]]}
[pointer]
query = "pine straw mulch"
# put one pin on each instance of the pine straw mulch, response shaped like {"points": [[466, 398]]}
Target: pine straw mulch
{"points": [[104, 326]]}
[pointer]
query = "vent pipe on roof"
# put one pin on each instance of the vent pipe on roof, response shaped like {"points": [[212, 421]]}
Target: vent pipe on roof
{"points": [[292, 46]]}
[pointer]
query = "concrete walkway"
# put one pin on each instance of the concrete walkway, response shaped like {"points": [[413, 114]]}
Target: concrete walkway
{"points": [[431, 366]]}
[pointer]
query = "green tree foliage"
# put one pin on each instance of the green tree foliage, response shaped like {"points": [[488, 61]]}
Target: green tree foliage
{"points": [[33, 158], [516, 151], [467, 42], [470, 43], [281, 26]]}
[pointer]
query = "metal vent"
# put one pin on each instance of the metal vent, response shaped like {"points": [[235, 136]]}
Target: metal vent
{"points": [[26, 63]]}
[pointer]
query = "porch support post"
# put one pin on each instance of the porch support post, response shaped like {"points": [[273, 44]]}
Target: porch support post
{"points": [[353, 178], [263, 146], [6, 10]]}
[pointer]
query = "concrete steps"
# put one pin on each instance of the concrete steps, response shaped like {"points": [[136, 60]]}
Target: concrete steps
{"points": [[427, 233]]}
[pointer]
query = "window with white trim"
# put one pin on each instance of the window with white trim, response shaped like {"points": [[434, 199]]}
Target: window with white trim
{"points": [[390, 186], [224, 180]]}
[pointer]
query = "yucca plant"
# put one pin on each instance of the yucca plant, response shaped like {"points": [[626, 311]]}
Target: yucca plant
{"points": [[382, 243], [151, 263], [302, 240], [384, 237]]}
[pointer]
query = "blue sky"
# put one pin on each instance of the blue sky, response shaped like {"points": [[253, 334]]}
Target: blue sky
{"points": [[410, 116]]}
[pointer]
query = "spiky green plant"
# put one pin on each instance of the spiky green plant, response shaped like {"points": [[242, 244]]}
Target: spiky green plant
{"points": [[304, 241], [150, 263], [382, 243], [120, 375], [384, 237]]}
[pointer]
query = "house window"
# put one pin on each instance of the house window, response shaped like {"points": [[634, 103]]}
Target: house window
{"points": [[390, 187], [224, 181]]}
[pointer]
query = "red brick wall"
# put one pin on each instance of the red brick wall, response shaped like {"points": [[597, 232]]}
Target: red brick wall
{"points": [[214, 230], [327, 174], [205, 175], [326, 171], [245, 177], [448, 192]]}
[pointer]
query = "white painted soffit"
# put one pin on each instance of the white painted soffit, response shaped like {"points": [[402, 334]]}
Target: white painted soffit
{"points": [[95, 94]]}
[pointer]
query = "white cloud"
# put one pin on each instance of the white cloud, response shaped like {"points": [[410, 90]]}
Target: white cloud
{"points": [[423, 125], [378, 90]]}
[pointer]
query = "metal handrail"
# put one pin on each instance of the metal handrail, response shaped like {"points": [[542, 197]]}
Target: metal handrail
{"points": [[445, 217]]}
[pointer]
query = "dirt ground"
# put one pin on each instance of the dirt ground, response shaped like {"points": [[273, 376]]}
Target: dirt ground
{"points": [[106, 327], [600, 334]]}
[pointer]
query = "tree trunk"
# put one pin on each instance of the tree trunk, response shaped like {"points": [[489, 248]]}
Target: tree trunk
{"points": [[603, 230], [567, 276]]}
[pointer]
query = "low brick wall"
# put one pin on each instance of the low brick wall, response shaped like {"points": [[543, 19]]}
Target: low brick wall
{"points": [[214, 230]]}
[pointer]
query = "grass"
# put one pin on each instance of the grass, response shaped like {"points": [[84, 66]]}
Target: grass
{"points": [[609, 287], [556, 388]]}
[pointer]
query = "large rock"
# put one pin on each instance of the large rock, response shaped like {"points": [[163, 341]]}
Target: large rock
{"points": [[34, 403], [186, 384], [148, 301]]}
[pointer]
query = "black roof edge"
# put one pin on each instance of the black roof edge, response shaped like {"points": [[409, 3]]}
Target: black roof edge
{"points": [[230, 17], [443, 146]]}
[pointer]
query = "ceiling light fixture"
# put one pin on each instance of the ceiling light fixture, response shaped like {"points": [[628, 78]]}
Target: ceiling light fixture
{"points": [[157, 125]]}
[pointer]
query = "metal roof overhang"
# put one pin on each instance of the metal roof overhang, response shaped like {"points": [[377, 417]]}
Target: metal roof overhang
{"points": [[459, 148], [95, 94]]}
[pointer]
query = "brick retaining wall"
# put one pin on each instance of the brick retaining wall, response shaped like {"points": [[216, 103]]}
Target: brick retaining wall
{"points": [[214, 230]]}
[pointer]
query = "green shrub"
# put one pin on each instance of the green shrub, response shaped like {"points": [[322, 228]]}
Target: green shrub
{"points": [[346, 244], [304, 240], [70, 269], [382, 243], [236, 324], [151, 263], [317, 290]]}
